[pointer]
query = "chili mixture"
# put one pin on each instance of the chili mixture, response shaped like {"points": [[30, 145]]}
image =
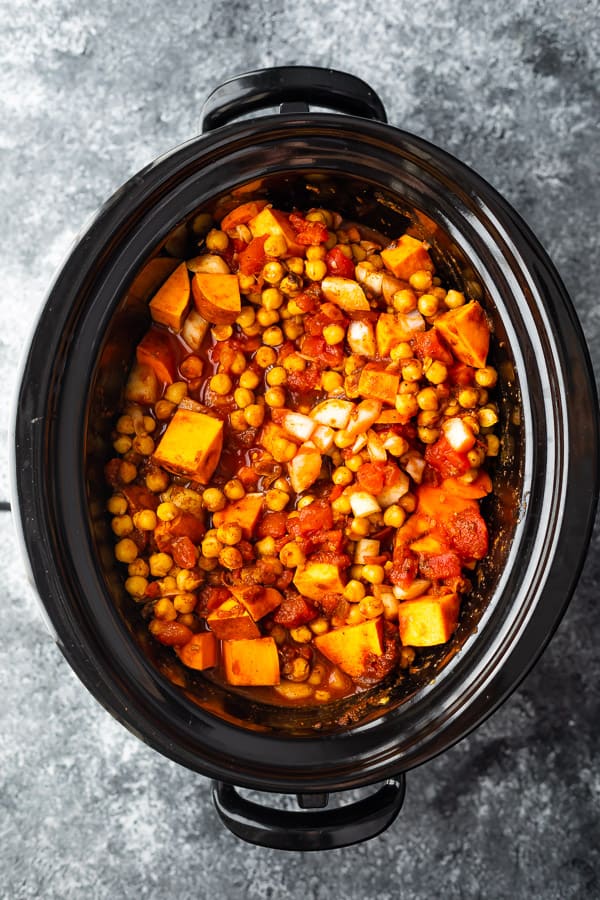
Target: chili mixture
{"points": [[301, 453]]}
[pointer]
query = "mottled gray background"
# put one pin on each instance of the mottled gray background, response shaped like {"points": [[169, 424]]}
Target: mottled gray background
{"points": [[89, 93]]}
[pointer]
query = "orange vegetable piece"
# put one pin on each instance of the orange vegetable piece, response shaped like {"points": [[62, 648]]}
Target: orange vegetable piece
{"points": [[251, 662], [217, 297], [473, 491], [171, 302], [150, 278], [231, 621], [439, 504], [377, 384], [467, 332], [244, 512], [408, 257], [183, 525], [154, 350], [191, 445], [317, 578], [242, 214], [352, 646], [393, 328], [272, 222], [200, 652], [258, 601], [428, 620]]}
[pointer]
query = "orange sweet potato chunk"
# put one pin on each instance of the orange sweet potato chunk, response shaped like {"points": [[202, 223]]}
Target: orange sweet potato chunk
{"points": [[242, 214], [467, 332], [439, 504], [251, 662], [272, 222], [231, 621], [351, 646], [428, 620], [171, 302], [200, 652], [217, 297], [154, 350], [377, 384], [244, 512], [408, 257], [258, 601], [191, 445]]}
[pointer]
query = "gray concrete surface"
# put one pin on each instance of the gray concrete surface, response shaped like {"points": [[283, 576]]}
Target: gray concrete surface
{"points": [[89, 93]]}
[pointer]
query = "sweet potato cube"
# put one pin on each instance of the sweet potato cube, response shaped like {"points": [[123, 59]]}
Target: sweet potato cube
{"points": [[352, 646], [428, 620], [377, 384], [142, 385], [217, 297], [408, 257], [191, 445], [244, 512], [251, 662], [393, 328], [154, 350], [200, 652], [317, 578], [467, 332], [170, 304], [231, 621], [150, 278], [242, 214], [258, 600], [272, 222]]}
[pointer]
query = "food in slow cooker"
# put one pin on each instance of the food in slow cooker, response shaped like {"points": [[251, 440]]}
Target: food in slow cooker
{"points": [[301, 453]]}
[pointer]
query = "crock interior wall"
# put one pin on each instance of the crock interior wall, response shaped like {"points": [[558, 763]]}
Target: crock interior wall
{"points": [[389, 214]]}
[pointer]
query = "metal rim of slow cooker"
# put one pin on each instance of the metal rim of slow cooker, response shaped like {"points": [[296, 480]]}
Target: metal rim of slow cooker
{"points": [[339, 761]]}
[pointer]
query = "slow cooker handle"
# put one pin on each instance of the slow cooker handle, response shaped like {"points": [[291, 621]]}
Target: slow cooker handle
{"points": [[315, 829], [294, 85]]}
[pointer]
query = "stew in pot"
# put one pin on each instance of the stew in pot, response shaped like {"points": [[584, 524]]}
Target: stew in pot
{"points": [[301, 453]]}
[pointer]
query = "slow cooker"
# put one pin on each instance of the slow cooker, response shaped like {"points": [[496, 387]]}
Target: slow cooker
{"points": [[546, 477]]}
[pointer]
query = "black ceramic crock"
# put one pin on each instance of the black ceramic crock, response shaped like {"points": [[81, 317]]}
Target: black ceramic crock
{"points": [[546, 478]]}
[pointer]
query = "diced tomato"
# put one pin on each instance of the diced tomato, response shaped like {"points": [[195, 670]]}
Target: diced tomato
{"points": [[448, 462], [212, 597], [338, 264], [429, 343], [184, 552], [273, 524], [305, 381], [442, 565], [371, 477], [155, 350], [295, 611], [306, 302], [327, 314], [404, 568], [249, 477], [468, 534], [139, 497], [253, 257], [341, 560], [183, 525], [461, 375], [316, 517], [308, 232], [328, 540], [320, 350]]}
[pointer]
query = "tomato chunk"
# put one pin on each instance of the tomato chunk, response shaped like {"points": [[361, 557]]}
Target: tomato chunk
{"points": [[468, 534], [253, 257], [339, 264], [445, 460]]}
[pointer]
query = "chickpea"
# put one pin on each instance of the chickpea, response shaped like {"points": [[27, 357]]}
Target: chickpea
{"points": [[428, 418], [343, 440], [291, 555], [148, 423], [167, 511], [122, 525], [454, 299], [273, 336], [334, 334], [144, 445], [211, 546], [275, 397], [187, 581], [276, 500], [138, 567], [163, 410], [315, 269], [273, 272], [291, 284], [243, 397], [157, 481], [185, 603], [246, 317], [272, 299], [404, 301], [437, 372], [374, 574], [234, 489], [341, 505], [164, 610], [468, 398], [412, 371], [230, 558], [488, 417], [406, 405], [126, 550], [145, 520], [191, 367], [238, 364], [295, 363], [396, 445], [249, 380], [293, 329], [213, 499], [402, 351], [127, 472], [316, 251], [359, 528], [342, 475], [220, 384], [216, 240], [302, 635], [486, 377], [370, 607], [229, 533], [276, 376], [295, 265], [176, 392], [408, 503], [117, 505], [125, 425], [265, 357], [421, 280], [493, 445], [122, 444], [428, 435], [354, 591], [266, 546], [160, 564], [254, 415], [247, 283], [136, 586], [305, 501], [275, 245], [428, 399], [394, 516], [266, 317]]}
